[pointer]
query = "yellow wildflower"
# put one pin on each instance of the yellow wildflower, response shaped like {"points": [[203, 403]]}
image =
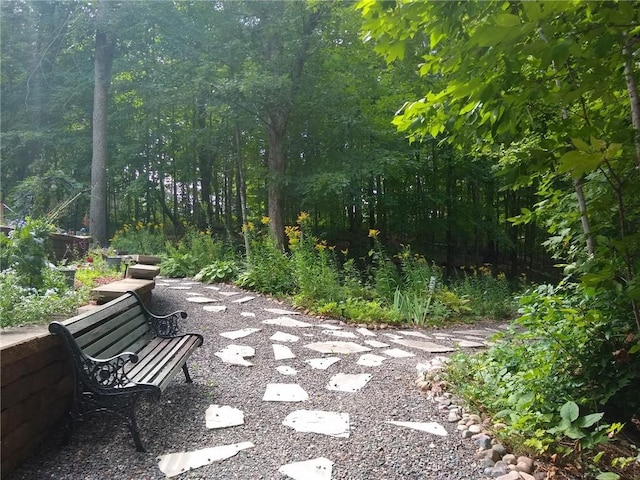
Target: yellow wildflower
{"points": [[373, 233], [265, 220]]}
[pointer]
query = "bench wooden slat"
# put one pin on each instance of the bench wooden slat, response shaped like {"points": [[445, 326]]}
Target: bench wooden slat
{"points": [[86, 321], [117, 326], [163, 360]]}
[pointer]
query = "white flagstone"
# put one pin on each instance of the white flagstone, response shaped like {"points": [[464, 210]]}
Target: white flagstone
{"points": [[239, 333], [200, 300], [247, 314], [337, 347], [283, 337], [243, 299], [189, 283], [365, 332], [348, 382], [180, 287], [211, 287], [376, 344], [282, 352], [329, 326], [284, 392], [477, 333], [173, 464], [223, 416], [322, 363], [215, 308], [286, 322], [397, 353], [169, 280], [414, 334], [339, 333], [429, 427], [229, 294], [280, 311], [467, 343], [286, 370], [371, 360], [193, 294], [426, 346], [319, 468], [235, 355], [318, 421], [393, 336]]}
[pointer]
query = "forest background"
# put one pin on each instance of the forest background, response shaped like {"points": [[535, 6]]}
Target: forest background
{"points": [[168, 118]]}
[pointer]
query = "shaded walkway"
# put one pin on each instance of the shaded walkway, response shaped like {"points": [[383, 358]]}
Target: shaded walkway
{"points": [[279, 395]]}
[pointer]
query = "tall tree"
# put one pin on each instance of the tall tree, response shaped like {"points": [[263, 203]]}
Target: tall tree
{"points": [[103, 61]]}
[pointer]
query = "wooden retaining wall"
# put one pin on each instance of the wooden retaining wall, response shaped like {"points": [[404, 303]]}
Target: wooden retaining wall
{"points": [[36, 391]]}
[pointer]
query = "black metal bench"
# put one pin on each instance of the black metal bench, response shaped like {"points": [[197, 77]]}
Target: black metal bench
{"points": [[120, 352]]}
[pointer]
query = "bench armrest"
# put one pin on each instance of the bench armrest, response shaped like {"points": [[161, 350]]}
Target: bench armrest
{"points": [[166, 326], [108, 372], [163, 326]]}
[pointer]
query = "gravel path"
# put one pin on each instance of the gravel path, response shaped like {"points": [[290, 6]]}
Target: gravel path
{"points": [[375, 449]]}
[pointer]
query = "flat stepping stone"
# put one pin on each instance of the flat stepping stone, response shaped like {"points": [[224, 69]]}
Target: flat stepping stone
{"points": [[365, 332], [280, 311], [282, 352], [397, 353], [180, 287], [173, 464], [348, 382], [333, 424], [376, 344], [211, 287], [322, 363], [284, 392], [200, 300], [286, 322], [194, 294], [286, 370], [243, 299], [229, 294], [223, 416], [371, 360], [239, 333], [320, 468], [337, 347], [414, 334], [329, 326], [393, 336], [477, 333], [429, 427], [339, 333], [235, 355], [426, 346], [215, 308], [468, 343], [247, 314], [283, 337]]}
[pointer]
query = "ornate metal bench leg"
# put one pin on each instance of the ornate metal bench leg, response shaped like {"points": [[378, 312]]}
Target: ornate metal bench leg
{"points": [[133, 427], [69, 428], [186, 373]]}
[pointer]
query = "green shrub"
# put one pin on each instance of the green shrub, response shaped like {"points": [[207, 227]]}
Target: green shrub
{"points": [[218, 271], [186, 257], [140, 239], [563, 349], [268, 270]]}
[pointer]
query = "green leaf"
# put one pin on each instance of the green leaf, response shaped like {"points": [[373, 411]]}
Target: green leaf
{"points": [[580, 144], [507, 20], [574, 433], [570, 411], [608, 476], [587, 421], [579, 163]]}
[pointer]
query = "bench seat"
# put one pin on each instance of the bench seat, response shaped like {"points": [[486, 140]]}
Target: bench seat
{"points": [[119, 352]]}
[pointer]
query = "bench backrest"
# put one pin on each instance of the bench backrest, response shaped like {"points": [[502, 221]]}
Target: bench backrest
{"points": [[119, 326]]}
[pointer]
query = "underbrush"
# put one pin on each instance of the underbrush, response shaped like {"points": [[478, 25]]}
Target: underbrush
{"points": [[564, 379]]}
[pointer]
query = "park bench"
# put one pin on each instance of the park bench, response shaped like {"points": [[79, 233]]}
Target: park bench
{"points": [[120, 352]]}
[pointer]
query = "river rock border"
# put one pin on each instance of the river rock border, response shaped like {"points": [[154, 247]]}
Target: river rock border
{"points": [[492, 456]]}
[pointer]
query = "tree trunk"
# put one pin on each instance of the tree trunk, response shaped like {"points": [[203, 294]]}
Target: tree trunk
{"points": [[276, 128], [102, 78], [632, 89], [242, 191]]}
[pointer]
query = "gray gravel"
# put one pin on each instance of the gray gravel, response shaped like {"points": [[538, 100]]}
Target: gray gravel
{"points": [[102, 449]]}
